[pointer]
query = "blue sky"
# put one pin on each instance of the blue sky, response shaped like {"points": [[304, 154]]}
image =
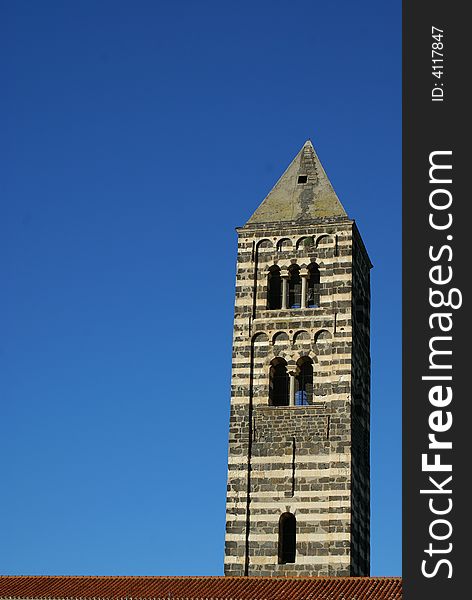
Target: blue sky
{"points": [[136, 137]]}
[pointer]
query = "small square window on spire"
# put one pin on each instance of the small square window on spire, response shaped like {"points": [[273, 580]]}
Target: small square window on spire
{"points": [[305, 177]]}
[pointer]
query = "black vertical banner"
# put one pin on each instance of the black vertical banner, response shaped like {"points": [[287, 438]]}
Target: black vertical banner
{"points": [[437, 237]]}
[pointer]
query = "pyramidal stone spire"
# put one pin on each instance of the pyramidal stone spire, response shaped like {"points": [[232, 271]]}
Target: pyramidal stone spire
{"points": [[303, 193]]}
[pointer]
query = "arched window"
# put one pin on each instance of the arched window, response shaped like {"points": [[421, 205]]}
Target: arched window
{"points": [[313, 287], [274, 288], [287, 538], [294, 287], [278, 383], [304, 382]]}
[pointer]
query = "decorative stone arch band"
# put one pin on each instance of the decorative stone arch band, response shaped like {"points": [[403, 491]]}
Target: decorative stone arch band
{"points": [[320, 336]]}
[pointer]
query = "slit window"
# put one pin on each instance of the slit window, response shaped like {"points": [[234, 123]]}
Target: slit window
{"points": [[287, 538]]}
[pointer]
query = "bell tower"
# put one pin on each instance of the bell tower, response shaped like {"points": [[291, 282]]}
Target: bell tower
{"points": [[298, 490]]}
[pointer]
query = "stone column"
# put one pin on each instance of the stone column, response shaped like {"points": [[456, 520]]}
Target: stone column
{"points": [[284, 290], [304, 275], [292, 388]]}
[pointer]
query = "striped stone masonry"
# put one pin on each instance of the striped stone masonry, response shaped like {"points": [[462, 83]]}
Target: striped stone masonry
{"points": [[311, 461]]}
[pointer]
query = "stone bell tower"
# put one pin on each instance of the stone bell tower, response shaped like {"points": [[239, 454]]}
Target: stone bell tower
{"points": [[298, 467]]}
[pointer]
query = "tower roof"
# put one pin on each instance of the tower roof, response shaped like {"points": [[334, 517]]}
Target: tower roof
{"points": [[303, 193]]}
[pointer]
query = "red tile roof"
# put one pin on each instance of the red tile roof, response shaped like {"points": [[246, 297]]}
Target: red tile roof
{"points": [[203, 588]]}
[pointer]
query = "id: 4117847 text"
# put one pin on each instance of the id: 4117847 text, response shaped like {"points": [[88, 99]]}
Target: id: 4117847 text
{"points": [[437, 64]]}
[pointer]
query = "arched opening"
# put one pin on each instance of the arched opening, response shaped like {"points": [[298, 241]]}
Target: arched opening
{"points": [[280, 339], [278, 383], [284, 244], [306, 243], [260, 345], [274, 288], [287, 538], [294, 287], [313, 286], [304, 382]]}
